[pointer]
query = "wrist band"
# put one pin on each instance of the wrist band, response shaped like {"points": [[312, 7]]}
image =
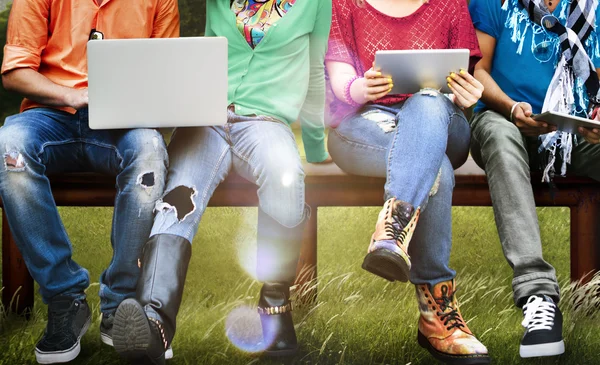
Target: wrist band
{"points": [[512, 110], [347, 95]]}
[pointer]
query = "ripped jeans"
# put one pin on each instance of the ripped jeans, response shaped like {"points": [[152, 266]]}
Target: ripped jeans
{"points": [[263, 152], [431, 139], [43, 141]]}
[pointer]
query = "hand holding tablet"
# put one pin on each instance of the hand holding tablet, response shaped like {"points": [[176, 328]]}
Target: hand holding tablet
{"points": [[414, 70], [587, 128]]}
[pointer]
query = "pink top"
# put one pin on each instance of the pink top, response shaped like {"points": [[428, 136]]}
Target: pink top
{"points": [[358, 32]]}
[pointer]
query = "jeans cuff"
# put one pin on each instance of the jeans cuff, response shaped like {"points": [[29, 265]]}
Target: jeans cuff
{"points": [[535, 284]]}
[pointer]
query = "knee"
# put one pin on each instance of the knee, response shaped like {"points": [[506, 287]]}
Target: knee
{"points": [[282, 198], [497, 138], [428, 101], [147, 157], [491, 130], [179, 202], [17, 147], [148, 146]]}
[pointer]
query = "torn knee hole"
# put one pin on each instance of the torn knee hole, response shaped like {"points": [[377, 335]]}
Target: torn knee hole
{"points": [[13, 160], [146, 180], [182, 199]]}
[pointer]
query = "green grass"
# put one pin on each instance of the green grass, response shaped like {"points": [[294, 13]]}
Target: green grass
{"points": [[359, 319]]}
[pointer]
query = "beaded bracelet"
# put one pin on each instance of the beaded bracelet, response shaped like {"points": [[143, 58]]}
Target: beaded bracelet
{"points": [[347, 96]]}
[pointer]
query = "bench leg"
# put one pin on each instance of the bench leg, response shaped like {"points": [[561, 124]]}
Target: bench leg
{"points": [[585, 239], [17, 294], [307, 265]]}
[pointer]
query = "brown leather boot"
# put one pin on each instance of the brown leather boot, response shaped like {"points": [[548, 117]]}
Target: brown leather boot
{"points": [[388, 252], [443, 331]]}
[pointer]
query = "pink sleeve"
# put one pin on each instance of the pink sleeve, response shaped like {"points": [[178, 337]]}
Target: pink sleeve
{"points": [[462, 33], [341, 45]]}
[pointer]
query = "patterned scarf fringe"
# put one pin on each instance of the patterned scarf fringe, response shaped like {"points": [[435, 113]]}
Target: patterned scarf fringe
{"points": [[566, 94]]}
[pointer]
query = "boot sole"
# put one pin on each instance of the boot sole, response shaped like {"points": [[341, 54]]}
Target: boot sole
{"points": [[131, 333], [387, 264], [451, 359], [282, 353]]}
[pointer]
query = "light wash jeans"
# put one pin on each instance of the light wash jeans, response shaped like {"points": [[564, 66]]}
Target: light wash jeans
{"points": [[265, 153], [43, 141], [431, 137]]}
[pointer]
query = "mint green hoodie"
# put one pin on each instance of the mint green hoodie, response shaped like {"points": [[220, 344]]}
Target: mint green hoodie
{"points": [[283, 76]]}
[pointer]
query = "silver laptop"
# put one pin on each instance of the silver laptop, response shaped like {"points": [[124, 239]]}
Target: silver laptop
{"points": [[413, 70], [153, 83]]}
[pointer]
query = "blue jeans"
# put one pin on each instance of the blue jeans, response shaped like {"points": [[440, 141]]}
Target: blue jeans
{"points": [[43, 141], [431, 137], [263, 152]]}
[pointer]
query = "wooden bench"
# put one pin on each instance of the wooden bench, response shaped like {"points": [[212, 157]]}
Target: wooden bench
{"points": [[326, 186]]}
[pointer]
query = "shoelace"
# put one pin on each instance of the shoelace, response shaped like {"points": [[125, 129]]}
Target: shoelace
{"points": [[445, 302], [59, 324], [395, 228], [539, 314]]}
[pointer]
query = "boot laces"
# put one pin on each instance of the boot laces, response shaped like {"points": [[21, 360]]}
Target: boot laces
{"points": [[395, 229], [449, 315], [539, 314]]}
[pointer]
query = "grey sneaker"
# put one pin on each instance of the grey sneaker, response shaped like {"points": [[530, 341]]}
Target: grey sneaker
{"points": [[106, 328]]}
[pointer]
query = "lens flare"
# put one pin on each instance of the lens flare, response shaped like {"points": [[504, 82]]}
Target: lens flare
{"points": [[287, 179], [243, 329]]}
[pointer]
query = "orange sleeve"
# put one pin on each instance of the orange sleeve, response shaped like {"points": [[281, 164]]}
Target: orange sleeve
{"points": [[166, 20], [27, 34]]}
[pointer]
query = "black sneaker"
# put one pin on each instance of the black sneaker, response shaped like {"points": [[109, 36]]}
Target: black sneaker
{"points": [[106, 328], [68, 320], [543, 328]]}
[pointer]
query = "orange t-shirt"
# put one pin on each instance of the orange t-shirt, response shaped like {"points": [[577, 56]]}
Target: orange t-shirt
{"points": [[50, 36]]}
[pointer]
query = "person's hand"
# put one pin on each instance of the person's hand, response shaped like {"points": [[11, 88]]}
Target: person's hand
{"points": [[529, 127], [325, 161], [595, 113], [467, 90], [374, 85], [592, 136], [77, 98]]}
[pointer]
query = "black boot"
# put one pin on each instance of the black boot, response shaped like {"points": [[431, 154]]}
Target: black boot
{"points": [[144, 328], [278, 254], [275, 309]]}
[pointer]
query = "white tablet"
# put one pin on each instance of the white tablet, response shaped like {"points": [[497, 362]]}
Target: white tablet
{"points": [[565, 122], [413, 70]]}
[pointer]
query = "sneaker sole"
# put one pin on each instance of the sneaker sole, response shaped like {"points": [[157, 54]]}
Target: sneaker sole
{"points": [[387, 264], [131, 332], [451, 359], [544, 349], [63, 356], [106, 339]]}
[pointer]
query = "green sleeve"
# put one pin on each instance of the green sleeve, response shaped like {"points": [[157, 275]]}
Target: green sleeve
{"points": [[210, 12], [313, 111]]}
